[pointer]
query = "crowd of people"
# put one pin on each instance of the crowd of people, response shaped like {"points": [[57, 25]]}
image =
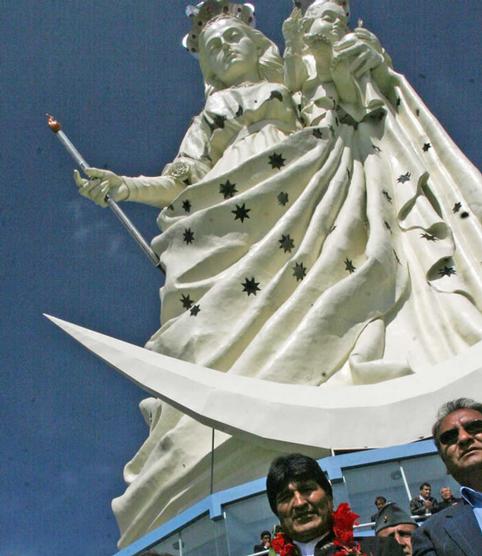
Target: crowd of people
{"points": [[424, 504]]}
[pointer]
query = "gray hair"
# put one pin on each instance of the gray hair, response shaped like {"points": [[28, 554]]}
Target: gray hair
{"points": [[447, 409]]}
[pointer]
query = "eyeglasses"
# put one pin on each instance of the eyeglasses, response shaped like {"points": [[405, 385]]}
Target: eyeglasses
{"points": [[451, 436]]}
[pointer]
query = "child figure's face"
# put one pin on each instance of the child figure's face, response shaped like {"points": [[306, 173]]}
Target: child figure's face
{"points": [[329, 24]]}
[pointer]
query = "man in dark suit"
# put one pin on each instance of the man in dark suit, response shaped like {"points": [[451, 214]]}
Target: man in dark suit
{"points": [[457, 531], [300, 494], [265, 542], [447, 499], [424, 504]]}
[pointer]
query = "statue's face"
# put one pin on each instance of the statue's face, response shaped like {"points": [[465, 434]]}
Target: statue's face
{"points": [[229, 51], [329, 24]]}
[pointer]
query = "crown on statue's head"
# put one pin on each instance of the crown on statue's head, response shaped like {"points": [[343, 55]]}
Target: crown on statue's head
{"points": [[303, 5], [203, 13]]}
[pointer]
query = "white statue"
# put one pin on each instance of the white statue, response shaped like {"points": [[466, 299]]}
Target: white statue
{"points": [[335, 245]]}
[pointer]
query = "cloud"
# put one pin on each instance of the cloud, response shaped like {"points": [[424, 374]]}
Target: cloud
{"points": [[95, 227]]}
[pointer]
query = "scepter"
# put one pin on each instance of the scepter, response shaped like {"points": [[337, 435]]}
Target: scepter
{"points": [[55, 126]]}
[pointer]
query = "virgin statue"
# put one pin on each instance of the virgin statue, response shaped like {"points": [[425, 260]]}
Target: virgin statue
{"points": [[325, 232]]}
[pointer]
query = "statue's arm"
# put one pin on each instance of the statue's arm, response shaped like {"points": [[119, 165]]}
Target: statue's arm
{"points": [[376, 59], [188, 167], [361, 53], [294, 66]]}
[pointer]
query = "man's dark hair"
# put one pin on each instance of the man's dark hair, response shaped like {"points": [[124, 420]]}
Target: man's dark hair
{"points": [[265, 533], [424, 485], [381, 498], [447, 409], [293, 467]]}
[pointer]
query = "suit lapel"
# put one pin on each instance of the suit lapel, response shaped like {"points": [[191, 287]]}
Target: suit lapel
{"points": [[463, 529]]}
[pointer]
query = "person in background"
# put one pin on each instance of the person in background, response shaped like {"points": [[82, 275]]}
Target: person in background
{"points": [[265, 543], [424, 504], [393, 522], [457, 530], [446, 499], [380, 501]]}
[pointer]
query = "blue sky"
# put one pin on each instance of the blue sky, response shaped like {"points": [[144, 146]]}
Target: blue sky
{"points": [[115, 74]]}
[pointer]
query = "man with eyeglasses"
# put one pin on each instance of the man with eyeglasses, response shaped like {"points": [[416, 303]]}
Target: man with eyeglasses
{"points": [[458, 529]]}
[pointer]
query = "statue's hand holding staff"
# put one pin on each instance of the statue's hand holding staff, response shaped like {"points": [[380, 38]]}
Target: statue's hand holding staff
{"points": [[100, 185], [104, 188]]}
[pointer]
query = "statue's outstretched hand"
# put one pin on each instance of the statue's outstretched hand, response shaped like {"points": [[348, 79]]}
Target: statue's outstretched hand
{"points": [[362, 56], [368, 37], [293, 31], [100, 184]]}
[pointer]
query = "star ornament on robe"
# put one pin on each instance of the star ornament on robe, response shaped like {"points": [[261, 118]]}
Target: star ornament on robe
{"points": [[250, 286], [447, 271], [195, 310], [277, 161], [387, 196], [457, 207], [286, 243], [228, 189], [404, 178], [426, 147], [241, 212], [218, 121], [283, 198], [349, 267], [186, 205], [186, 301], [299, 271], [318, 133], [188, 236]]}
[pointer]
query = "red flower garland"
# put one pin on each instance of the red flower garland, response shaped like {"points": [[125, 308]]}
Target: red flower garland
{"points": [[282, 545], [343, 521]]}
